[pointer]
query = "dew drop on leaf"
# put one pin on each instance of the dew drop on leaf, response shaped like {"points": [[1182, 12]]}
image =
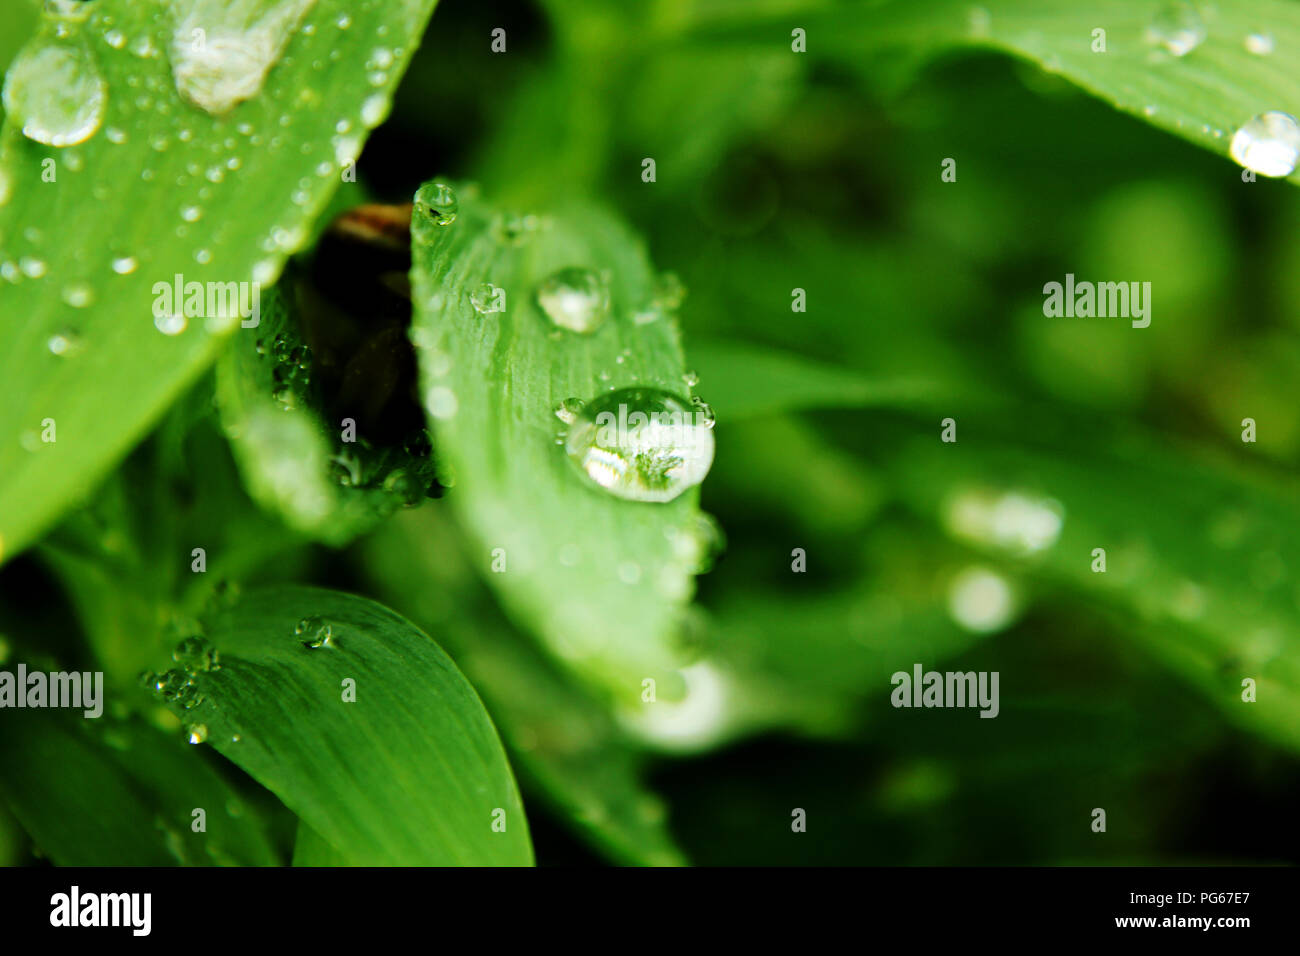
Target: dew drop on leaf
{"points": [[1269, 144], [170, 324], [1260, 44], [574, 299], [642, 444], [437, 203], [569, 410], [1177, 29], [314, 632], [56, 92], [78, 295], [484, 299], [221, 52], [65, 344]]}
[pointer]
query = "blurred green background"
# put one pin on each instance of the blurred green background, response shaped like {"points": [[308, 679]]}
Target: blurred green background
{"points": [[778, 171]]}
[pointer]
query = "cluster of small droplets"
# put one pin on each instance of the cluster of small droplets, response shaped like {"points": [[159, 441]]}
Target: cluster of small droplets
{"points": [[290, 370]]}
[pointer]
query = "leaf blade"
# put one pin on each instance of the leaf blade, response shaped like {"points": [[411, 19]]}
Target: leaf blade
{"points": [[409, 773]]}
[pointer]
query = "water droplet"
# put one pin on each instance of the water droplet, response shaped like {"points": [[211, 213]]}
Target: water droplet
{"points": [[691, 379], [569, 410], [1269, 144], [170, 686], [170, 324], [32, 268], [1177, 28], [191, 213], [981, 600], [71, 11], [374, 109], [513, 230], [143, 47], [1012, 521], [642, 444], [196, 653], [78, 295], [314, 632], [697, 546], [485, 299], [404, 487], [66, 343], [703, 412], [437, 201], [222, 52], [575, 299], [441, 402], [57, 92], [1260, 44], [698, 720], [266, 272], [197, 733]]}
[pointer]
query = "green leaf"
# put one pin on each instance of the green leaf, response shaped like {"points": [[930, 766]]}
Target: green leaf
{"points": [[161, 188], [409, 773], [121, 793], [1196, 551], [601, 580], [564, 742], [1203, 96], [126, 560], [311, 849]]}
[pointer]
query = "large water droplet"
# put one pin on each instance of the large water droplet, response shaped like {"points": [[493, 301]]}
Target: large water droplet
{"points": [[56, 92], [221, 52], [1268, 145], [575, 299], [1177, 28], [642, 444], [197, 733]]}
